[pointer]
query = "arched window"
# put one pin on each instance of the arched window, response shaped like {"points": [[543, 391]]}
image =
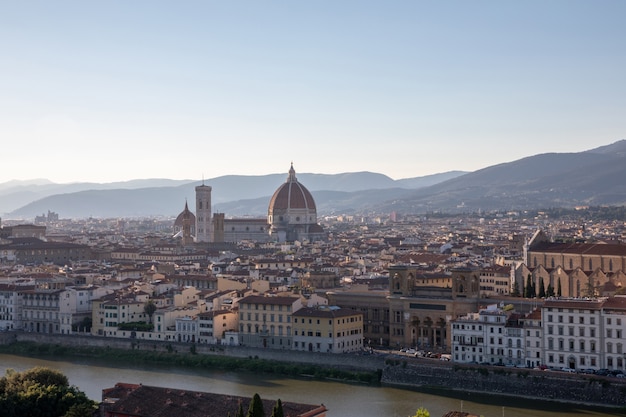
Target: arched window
{"points": [[590, 264], [571, 264], [611, 265], [552, 263]]}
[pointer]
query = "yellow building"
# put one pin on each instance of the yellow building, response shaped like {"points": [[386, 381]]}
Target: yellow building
{"points": [[327, 329], [265, 321], [110, 311]]}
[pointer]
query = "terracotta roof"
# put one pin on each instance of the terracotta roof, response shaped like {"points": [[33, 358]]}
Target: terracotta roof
{"points": [[591, 304], [581, 248], [615, 303], [326, 312], [259, 299], [143, 400], [291, 195]]}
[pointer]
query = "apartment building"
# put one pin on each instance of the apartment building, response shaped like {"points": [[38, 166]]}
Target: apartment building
{"points": [[213, 326], [569, 333], [266, 321], [533, 332], [10, 306], [573, 330], [110, 311], [40, 310], [495, 280], [492, 336], [327, 329]]}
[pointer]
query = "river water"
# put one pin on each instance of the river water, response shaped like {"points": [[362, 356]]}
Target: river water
{"points": [[342, 400]]}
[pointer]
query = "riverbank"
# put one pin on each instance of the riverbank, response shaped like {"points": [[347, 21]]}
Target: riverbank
{"points": [[388, 370]]}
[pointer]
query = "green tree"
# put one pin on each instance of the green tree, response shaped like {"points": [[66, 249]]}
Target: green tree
{"points": [[550, 291], [80, 410], [256, 407], [149, 308], [240, 411], [542, 289], [515, 292], [529, 287], [422, 412], [558, 291], [41, 392], [278, 409]]}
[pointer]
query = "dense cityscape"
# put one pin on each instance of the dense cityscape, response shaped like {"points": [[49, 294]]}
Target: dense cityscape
{"points": [[513, 289]]}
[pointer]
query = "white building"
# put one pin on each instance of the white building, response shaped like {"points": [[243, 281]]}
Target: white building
{"points": [[573, 330]]}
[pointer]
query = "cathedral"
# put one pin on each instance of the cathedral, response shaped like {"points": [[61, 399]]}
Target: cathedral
{"points": [[291, 216]]}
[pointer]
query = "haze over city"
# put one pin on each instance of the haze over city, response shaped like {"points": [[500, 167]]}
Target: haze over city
{"points": [[115, 91]]}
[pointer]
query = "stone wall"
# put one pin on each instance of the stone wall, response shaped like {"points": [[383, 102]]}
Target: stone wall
{"points": [[547, 385], [344, 361]]}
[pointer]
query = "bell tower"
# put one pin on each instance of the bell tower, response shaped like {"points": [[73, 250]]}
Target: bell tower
{"points": [[204, 223]]}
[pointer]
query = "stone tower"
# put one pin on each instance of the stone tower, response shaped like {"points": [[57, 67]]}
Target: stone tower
{"points": [[204, 229]]}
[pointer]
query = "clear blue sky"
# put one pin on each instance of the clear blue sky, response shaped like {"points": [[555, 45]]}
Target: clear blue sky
{"points": [[117, 90]]}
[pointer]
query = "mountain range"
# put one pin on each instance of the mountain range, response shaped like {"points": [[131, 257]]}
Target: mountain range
{"points": [[593, 177]]}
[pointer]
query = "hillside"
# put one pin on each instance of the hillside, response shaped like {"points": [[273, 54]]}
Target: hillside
{"points": [[593, 177], [235, 195]]}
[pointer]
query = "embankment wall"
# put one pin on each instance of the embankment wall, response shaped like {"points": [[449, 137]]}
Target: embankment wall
{"points": [[514, 382], [411, 373]]}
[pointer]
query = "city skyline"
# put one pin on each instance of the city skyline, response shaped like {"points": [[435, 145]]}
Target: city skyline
{"points": [[105, 92]]}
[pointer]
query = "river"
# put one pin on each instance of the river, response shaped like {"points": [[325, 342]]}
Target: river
{"points": [[91, 377]]}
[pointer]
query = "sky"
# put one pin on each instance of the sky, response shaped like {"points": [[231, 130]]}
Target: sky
{"points": [[105, 91]]}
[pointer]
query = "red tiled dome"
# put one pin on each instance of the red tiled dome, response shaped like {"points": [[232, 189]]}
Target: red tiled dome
{"points": [[179, 220], [291, 195]]}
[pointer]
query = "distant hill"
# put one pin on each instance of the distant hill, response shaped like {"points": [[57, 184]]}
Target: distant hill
{"points": [[594, 177], [232, 194], [16, 194]]}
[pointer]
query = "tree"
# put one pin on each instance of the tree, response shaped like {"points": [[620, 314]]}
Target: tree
{"points": [[515, 292], [42, 392], [529, 287], [278, 409], [240, 411], [542, 289], [149, 308], [422, 412], [558, 291], [550, 291], [256, 407]]}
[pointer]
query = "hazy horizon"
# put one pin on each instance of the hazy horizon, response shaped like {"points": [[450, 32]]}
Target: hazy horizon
{"points": [[115, 91]]}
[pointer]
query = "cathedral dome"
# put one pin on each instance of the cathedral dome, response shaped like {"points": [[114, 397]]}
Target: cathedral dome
{"points": [[291, 213], [291, 195], [178, 223]]}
